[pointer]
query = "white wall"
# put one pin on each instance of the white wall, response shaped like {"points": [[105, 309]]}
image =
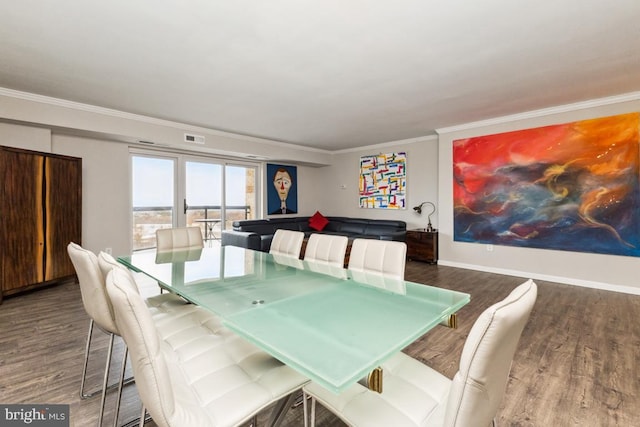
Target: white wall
{"points": [[27, 137], [106, 188], [618, 273], [422, 182], [71, 117], [102, 138]]}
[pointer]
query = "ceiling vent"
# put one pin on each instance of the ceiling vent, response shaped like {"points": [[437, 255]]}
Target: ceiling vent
{"points": [[193, 139]]}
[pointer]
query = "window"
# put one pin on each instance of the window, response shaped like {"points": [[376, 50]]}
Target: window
{"points": [[179, 190]]}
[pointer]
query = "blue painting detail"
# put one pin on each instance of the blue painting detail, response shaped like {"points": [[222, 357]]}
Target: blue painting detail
{"points": [[282, 189], [573, 187]]}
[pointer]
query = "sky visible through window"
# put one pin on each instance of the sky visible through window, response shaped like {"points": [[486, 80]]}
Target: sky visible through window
{"points": [[153, 183]]}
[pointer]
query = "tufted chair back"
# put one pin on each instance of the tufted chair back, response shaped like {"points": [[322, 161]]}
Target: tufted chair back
{"points": [[287, 242], [326, 248], [94, 295], [478, 387], [139, 332], [108, 263], [178, 238], [378, 256]]}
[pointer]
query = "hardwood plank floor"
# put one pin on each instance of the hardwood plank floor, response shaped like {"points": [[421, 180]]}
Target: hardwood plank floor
{"points": [[576, 363]]}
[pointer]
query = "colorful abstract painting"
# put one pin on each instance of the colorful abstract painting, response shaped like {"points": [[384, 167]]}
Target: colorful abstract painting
{"points": [[383, 181], [572, 187]]}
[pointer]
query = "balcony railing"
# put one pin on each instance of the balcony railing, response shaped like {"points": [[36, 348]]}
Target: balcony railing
{"points": [[147, 219]]}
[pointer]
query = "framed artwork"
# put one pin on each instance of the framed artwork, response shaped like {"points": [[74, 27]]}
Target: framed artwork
{"points": [[573, 187], [282, 189], [383, 181]]}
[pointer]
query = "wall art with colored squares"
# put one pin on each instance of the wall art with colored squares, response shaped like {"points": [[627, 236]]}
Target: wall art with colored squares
{"points": [[571, 187], [383, 181]]}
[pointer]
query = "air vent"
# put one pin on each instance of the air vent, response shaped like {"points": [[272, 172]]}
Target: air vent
{"points": [[193, 139]]}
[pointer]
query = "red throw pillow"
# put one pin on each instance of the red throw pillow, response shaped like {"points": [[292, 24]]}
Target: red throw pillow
{"points": [[318, 222]]}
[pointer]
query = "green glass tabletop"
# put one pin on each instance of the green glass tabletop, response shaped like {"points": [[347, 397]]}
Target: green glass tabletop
{"points": [[332, 325]]}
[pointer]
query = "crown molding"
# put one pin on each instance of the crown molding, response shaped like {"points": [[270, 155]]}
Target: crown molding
{"points": [[632, 96], [27, 96], [432, 137]]}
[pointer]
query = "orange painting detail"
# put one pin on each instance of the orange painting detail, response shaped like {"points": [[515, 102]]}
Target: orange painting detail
{"points": [[572, 186]]}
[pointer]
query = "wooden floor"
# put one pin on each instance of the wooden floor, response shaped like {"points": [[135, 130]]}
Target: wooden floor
{"points": [[576, 365]]}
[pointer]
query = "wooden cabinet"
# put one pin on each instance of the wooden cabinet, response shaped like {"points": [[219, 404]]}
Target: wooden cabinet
{"points": [[422, 245], [40, 213]]}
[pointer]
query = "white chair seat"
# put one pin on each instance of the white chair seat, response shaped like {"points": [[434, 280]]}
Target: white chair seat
{"points": [[413, 396], [187, 372], [171, 314], [220, 370]]}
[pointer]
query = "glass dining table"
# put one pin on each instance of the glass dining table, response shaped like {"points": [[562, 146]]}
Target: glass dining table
{"points": [[334, 326]]}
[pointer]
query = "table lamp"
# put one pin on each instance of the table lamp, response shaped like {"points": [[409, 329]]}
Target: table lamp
{"points": [[418, 209]]}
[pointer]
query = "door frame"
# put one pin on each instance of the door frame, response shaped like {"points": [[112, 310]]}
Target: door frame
{"points": [[179, 181]]}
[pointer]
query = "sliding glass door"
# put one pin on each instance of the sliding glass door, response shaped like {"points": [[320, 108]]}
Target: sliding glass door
{"points": [[240, 194], [153, 197], [178, 190], [203, 195]]}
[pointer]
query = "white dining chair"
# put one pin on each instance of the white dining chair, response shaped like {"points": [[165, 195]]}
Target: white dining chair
{"points": [[167, 303], [173, 317], [415, 395], [179, 238], [97, 304], [378, 256], [206, 380], [326, 248], [287, 242]]}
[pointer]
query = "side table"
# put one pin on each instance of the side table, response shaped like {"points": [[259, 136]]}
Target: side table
{"points": [[422, 245]]}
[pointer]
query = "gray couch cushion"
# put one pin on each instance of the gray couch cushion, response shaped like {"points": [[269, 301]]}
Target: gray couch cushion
{"points": [[354, 226]]}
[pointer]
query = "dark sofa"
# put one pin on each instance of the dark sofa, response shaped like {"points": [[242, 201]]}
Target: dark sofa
{"points": [[257, 234]]}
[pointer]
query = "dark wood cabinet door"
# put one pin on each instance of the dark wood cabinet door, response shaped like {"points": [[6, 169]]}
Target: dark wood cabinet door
{"points": [[63, 202], [422, 245], [22, 232], [40, 213]]}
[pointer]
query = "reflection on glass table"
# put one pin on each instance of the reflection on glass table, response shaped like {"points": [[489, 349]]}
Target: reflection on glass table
{"points": [[331, 325]]}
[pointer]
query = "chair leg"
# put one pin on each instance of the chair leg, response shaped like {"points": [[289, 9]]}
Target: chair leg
{"points": [[143, 416], [86, 362], [106, 379], [309, 416], [305, 414], [87, 351], [280, 410], [120, 384]]}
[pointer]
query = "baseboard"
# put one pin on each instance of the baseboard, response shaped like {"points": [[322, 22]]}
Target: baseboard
{"points": [[545, 277]]}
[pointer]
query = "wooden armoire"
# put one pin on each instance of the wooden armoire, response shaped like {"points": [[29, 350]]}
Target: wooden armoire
{"points": [[40, 213]]}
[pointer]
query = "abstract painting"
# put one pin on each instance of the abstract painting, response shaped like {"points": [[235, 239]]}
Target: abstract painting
{"points": [[572, 187], [383, 181]]}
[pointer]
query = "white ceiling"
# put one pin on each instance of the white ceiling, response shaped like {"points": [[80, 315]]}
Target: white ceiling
{"points": [[330, 74]]}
